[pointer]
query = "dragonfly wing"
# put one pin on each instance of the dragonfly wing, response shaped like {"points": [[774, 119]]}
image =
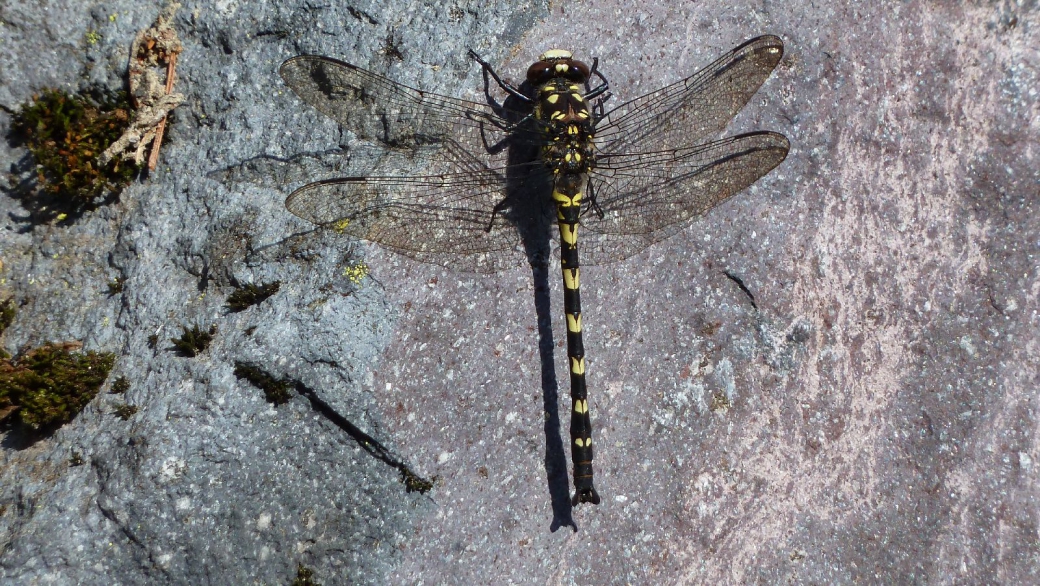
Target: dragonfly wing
{"points": [[694, 109], [648, 197], [378, 109], [446, 219]]}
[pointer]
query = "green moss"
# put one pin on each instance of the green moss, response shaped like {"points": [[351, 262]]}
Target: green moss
{"points": [[416, 483], [48, 386], [125, 411], [194, 341], [76, 459], [65, 135], [275, 390], [120, 386], [248, 295], [115, 286], [7, 311], [304, 577]]}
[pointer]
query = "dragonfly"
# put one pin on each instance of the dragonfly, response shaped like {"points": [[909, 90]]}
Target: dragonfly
{"points": [[469, 185]]}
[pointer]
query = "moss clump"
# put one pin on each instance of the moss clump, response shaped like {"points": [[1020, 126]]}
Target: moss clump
{"points": [[120, 386], [304, 577], [275, 390], [7, 311], [65, 135], [125, 411], [48, 386], [115, 286], [76, 459], [249, 295], [194, 341], [415, 483]]}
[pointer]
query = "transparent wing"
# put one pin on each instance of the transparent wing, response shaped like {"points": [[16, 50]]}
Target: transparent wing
{"points": [[648, 197], [444, 220], [453, 217], [377, 109], [694, 109]]}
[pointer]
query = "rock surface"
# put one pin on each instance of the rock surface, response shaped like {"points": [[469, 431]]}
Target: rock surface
{"points": [[870, 418]]}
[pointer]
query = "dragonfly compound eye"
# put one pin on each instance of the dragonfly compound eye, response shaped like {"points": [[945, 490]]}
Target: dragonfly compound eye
{"points": [[577, 71], [540, 73]]}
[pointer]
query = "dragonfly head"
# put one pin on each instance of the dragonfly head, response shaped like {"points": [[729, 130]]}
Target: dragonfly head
{"points": [[557, 63]]}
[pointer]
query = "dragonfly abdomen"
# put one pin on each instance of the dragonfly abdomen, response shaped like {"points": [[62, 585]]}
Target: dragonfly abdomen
{"points": [[567, 193]]}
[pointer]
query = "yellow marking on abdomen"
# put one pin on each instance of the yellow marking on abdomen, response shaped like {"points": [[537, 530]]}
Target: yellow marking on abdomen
{"points": [[574, 323], [578, 367], [553, 98], [569, 234], [583, 443], [566, 200], [571, 279]]}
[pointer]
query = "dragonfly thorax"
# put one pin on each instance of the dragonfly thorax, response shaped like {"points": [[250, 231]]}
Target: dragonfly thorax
{"points": [[563, 117]]}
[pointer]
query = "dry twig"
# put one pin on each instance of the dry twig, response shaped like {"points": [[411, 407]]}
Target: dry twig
{"points": [[153, 100]]}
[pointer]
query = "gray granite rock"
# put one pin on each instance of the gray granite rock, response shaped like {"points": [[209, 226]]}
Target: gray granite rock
{"points": [[869, 418]]}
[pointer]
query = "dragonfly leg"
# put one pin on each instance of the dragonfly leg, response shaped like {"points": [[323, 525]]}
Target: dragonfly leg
{"points": [[601, 88], [598, 111], [507, 87], [593, 204]]}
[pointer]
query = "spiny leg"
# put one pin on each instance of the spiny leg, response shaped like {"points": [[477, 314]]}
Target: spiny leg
{"points": [[601, 88], [593, 204], [507, 87]]}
